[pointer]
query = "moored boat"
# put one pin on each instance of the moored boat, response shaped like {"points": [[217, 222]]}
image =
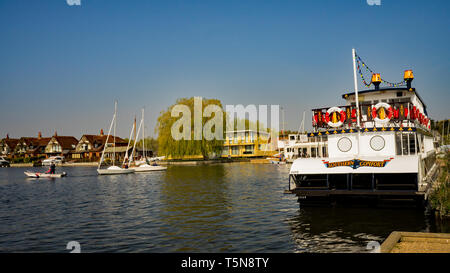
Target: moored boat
{"points": [[148, 168], [115, 170], [112, 169], [142, 165], [379, 145]]}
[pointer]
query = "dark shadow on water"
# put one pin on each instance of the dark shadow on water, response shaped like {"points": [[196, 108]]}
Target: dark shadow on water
{"points": [[348, 229]]}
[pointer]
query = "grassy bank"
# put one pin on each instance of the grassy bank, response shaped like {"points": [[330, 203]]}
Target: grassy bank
{"points": [[440, 198]]}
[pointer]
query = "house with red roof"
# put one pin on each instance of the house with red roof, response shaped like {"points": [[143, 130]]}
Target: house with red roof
{"points": [[7, 146], [31, 146], [90, 147], [60, 145]]}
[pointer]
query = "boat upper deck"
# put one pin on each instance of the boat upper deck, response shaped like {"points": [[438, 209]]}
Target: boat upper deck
{"points": [[378, 108]]}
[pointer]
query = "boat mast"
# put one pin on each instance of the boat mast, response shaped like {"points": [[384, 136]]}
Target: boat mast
{"points": [[301, 129], [106, 142], [134, 145], [134, 128], [114, 137], [143, 137], [128, 146], [358, 125]]}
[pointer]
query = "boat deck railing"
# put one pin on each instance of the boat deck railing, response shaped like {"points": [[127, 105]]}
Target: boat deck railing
{"points": [[403, 115]]}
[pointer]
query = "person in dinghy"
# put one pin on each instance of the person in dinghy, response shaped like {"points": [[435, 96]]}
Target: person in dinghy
{"points": [[50, 173], [52, 168]]}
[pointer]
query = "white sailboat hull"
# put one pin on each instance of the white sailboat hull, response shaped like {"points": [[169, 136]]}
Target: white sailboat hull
{"points": [[149, 168], [114, 170]]}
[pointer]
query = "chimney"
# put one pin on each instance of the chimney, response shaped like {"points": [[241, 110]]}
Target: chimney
{"points": [[376, 80], [39, 135], [408, 77], [7, 136], [101, 132], [56, 134]]}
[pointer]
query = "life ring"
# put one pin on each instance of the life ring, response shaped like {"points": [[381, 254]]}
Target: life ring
{"points": [[385, 106], [341, 117]]}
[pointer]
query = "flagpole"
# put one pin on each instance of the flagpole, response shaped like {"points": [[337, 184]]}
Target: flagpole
{"points": [[358, 125], [356, 89]]}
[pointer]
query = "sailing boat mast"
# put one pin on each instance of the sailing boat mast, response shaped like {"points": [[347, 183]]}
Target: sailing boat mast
{"points": [[134, 128], [301, 129], [114, 136], [128, 146], [107, 137], [143, 137], [134, 145]]}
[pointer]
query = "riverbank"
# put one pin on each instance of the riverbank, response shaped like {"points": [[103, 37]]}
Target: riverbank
{"points": [[202, 162], [440, 197], [169, 162], [66, 164]]}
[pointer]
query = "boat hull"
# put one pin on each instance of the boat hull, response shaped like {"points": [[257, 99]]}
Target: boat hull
{"points": [[44, 175], [149, 168], [115, 171], [382, 178]]}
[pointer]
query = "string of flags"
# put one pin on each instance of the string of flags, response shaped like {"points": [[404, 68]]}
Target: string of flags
{"points": [[361, 74], [367, 84]]}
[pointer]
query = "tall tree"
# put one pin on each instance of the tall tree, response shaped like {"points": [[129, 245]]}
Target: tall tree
{"points": [[169, 145]]}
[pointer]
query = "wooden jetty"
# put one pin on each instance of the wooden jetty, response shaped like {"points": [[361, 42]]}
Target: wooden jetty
{"points": [[416, 242]]}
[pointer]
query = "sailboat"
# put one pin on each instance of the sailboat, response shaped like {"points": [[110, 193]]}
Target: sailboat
{"points": [[145, 167], [112, 169]]}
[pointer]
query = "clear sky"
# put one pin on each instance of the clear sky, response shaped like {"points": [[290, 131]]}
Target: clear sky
{"points": [[62, 67]]}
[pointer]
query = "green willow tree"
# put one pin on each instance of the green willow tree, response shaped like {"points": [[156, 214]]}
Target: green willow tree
{"points": [[168, 146]]}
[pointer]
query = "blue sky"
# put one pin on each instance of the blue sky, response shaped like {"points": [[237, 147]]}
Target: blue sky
{"points": [[62, 67]]}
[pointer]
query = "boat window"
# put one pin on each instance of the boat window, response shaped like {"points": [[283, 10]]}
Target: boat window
{"points": [[324, 151], [412, 144], [248, 149], [364, 111], [395, 181], [338, 181], [405, 142], [398, 144], [311, 180], [304, 152], [362, 181]]}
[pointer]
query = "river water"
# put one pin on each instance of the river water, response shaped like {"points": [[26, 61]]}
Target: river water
{"points": [[234, 207]]}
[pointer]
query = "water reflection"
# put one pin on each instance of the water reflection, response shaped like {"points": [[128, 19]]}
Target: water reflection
{"points": [[347, 229], [194, 208]]}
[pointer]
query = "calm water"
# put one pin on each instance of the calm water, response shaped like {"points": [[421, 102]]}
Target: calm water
{"points": [[236, 207]]}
